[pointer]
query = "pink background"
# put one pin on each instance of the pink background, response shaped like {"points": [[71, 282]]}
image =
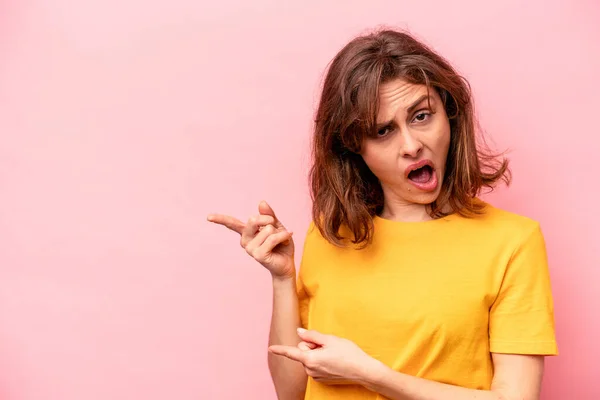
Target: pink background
{"points": [[124, 123]]}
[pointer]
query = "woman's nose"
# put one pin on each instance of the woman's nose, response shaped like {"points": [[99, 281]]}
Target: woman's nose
{"points": [[411, 146]]}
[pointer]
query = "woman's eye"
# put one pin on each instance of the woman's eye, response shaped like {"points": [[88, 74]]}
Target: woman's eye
{"points": [[383, 131], [422, 116]]}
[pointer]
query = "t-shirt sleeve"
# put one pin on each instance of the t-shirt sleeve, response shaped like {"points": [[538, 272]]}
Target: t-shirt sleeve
{"points": [[303, 300], [303, 274], [522, 316]]}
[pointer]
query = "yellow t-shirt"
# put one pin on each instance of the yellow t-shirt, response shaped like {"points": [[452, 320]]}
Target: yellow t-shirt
{"points": [[432, 299]]}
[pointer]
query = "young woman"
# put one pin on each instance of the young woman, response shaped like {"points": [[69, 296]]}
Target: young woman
{"points": [[410, 286]]}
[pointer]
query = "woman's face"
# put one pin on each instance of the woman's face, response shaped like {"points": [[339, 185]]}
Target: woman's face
{"points": [[413, 135]]}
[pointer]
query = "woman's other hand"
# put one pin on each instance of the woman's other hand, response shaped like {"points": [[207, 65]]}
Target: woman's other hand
{"points": [[330, 359]]}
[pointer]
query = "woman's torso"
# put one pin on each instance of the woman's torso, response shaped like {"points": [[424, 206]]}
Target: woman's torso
{"points": [[418, 298]]}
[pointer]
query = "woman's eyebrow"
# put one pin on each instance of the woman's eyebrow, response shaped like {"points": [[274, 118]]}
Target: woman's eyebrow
{"points": [[414, 105], [409, 110], [381, 125]]}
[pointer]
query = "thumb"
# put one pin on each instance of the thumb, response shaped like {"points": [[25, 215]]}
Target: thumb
{"points": [[312, 336], [265, 209], [306, 346]]}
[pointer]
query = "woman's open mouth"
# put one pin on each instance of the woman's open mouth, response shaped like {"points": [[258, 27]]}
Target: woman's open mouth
{"points": [[423, 176]]}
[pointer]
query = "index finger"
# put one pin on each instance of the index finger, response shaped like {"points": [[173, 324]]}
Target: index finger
{"points": [[230, 222], [291, 352]]}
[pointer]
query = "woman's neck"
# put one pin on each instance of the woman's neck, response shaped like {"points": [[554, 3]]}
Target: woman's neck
{"points": [[405, 212]]}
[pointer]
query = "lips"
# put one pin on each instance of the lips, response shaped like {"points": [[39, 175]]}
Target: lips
{"points": [[422, 175], [414, 167]]}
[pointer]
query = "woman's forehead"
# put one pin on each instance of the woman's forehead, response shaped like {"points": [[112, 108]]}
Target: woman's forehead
{"points": [[399, 95]]}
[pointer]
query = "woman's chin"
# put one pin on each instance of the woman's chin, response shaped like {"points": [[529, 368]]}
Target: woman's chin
{"points": [[423, 198]]}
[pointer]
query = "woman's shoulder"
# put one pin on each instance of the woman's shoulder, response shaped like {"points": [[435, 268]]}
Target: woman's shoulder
{"points": [[313, 235], [503, 220], [315, 238]]}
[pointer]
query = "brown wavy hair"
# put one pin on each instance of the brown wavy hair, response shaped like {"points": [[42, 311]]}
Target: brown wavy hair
{"points": [[345, 193]]}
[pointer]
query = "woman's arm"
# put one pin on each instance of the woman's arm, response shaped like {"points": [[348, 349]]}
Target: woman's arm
{"points": [[516, 377], [267, 241], [288, 376]]}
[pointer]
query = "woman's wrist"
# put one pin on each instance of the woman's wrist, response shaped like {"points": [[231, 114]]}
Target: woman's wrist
{"points": [[374, 374], [286, 278]]}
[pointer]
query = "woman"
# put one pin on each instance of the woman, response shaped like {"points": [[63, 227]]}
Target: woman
{"points": [[410, 286]]}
